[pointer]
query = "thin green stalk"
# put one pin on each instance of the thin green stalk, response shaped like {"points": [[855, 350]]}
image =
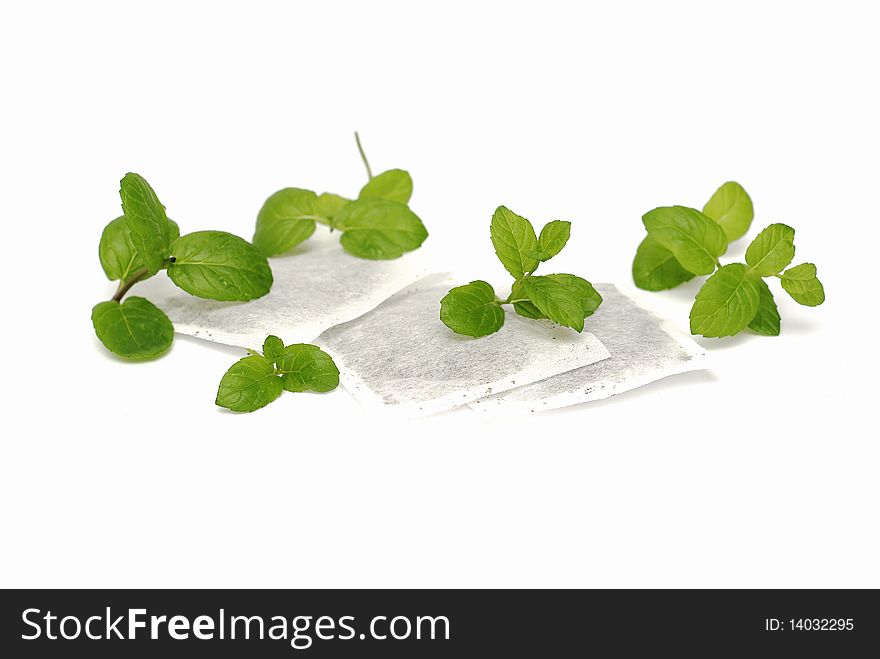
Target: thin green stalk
{"points": [[138, 275], [124, 286], [357, 138]]}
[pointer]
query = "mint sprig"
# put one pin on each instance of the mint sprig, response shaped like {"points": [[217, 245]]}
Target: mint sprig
{"points": [[683, 242], [258, 379], [474, 310], [377, 225], [137, 245]]}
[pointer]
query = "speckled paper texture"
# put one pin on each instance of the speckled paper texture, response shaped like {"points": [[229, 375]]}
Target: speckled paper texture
{"points": [[643, 348], [318, 285], [400, 358]]}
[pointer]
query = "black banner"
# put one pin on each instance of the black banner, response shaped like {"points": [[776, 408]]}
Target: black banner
{"points": [[437, 623]]}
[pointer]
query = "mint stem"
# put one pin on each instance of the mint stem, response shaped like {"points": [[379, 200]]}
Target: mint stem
{"points": [[139, 275], [124, 286], [357, 138]]}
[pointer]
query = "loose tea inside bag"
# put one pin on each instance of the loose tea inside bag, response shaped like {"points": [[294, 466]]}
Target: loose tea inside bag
{"points": [[316, 286], [643, 348], [400, 358]]}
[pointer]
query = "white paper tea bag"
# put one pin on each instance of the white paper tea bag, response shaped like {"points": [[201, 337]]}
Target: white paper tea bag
{"points": [[643, 348], [316, 286], [400, 358]]}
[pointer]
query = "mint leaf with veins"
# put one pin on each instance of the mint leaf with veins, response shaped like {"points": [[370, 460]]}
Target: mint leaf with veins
{"points": [[135, 329], [655, 268], [305, 367], [472, 310], [553, 238], [515, 242], [522, 305], [802, 284], [329, 205], [731, 207], [393, 185], [249, 384], [379, 229], [219, 266], [726, 303], [582, 290], [695, 240], [766, 320], [273, 348], [771, 250], [559, 302], [286, 219], [117, 252], [146, 219]]}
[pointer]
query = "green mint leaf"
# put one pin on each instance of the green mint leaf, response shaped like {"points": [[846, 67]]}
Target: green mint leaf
{"points": [[514, 240], [553, 238], [802, 284], [328, 205], [379, 229], [135, 329], [583, 290], [695, 240], [393, 185], [305, 367], [524, 307], [145, 215], [655, 268], [249, 384], [528, 310], [771, 251], [587, 296], [472, 310], [119, 257], [219, 266], [766, 320], [731, 207], [286, 219], [727, 302], [273, 348], [560, 302]]}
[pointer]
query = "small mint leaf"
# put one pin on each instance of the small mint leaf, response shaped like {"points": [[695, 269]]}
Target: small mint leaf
{"points": [[393, 185], [515, 242], [285, 220], [727, 302], [731, 207], [472, 310], [771, 251], [249, 384], [802, 284]]}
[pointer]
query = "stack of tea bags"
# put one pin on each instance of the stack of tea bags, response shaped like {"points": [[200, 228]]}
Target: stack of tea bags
{"points": [[380, 322]]}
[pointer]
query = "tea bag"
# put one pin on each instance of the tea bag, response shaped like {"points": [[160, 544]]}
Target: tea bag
{"points": [[316, 286], [400, 358], [643, 348]]}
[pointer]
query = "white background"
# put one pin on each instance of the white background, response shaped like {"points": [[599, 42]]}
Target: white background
{"points": [[762, 472]]}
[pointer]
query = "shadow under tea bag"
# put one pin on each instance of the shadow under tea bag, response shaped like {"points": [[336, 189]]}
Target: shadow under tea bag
{"points": [[400, 358], [643, 347], [318, 285]]}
